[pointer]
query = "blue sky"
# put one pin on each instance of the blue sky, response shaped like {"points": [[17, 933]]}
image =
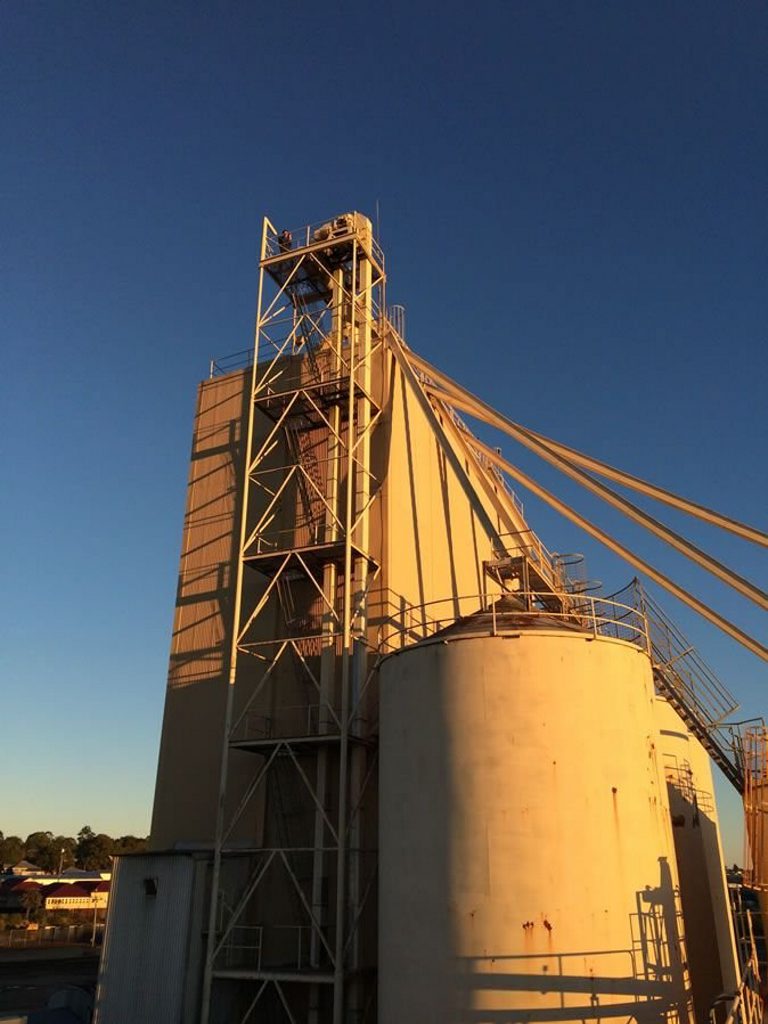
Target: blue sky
{"points": [[572, 203]]}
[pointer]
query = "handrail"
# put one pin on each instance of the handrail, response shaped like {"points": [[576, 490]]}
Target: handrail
{"points": [[483, 459], [253, 952], [304, 720], [672, 653], [307, 235], [219, 366], [746, 1004], [598, 616], [222, 365], [533, 546], [287, 343]]}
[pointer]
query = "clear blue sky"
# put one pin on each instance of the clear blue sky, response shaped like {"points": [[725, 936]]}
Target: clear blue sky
{"points": [[573, 207]]}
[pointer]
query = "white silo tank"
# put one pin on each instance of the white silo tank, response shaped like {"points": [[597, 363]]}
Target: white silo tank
{"points": [[527, 869], [700, 864]]}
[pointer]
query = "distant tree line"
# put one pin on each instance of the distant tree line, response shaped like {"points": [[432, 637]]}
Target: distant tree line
{"points": [[90, 850]]}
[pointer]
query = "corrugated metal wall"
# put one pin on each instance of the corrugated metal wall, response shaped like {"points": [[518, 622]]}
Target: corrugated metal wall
{"points": [[148, 949]]}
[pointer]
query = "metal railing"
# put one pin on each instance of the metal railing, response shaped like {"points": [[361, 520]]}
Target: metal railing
{"points": [[600, 617], [295, 720], [674, 655], [290, 357], [331, 230], [747, 1005], [286, 341], [244, 946], [691, 687], [258, 946], [546, 563], [748, 925], [482, 458], [223, 365]]}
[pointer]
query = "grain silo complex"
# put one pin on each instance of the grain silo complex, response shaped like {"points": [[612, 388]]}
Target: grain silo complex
{"points": [[412, 769]]}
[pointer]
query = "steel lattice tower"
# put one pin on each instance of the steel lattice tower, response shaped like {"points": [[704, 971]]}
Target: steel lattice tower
{"points": [[288, 914]]}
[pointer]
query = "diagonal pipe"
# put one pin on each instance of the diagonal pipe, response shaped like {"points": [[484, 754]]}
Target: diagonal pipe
{"points": [[635, 483], [629, 556], [476, 407]]}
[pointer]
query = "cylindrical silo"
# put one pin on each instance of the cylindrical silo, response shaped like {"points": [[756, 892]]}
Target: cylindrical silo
{"points": [[527, 870], [701, 869]]}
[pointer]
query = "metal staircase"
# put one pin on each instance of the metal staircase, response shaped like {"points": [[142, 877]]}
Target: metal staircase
{"points": [[693, 690], [308, 332], [310, 477]]}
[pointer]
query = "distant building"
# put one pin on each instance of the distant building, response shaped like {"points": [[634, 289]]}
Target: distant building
{"points": [[25, 867], [11, 890], [57, 893], [68, 896], [81, 873]]}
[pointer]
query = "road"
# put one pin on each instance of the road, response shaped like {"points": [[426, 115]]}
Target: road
{"points": [[27, 981]]}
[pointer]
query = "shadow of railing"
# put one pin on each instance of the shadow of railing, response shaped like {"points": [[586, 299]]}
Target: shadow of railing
{"points": [[647, 982]]}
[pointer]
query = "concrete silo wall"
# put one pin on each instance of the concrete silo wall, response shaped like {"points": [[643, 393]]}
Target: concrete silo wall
{"points": [[526, 858]]}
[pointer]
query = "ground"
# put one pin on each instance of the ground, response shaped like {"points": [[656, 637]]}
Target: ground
{"points": [[29, 977]]}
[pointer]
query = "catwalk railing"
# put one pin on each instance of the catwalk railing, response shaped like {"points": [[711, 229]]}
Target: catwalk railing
{"points": [[492, 615], [695, 692], [220, 366], [329, 232], [680, 675]]}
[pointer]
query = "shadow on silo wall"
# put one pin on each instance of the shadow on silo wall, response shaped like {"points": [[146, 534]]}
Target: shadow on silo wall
{"points": [[552, 987], [193, 724]]}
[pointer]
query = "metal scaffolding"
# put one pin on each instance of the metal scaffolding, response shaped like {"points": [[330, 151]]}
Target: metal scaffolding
{"points": [[294, 866]]}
